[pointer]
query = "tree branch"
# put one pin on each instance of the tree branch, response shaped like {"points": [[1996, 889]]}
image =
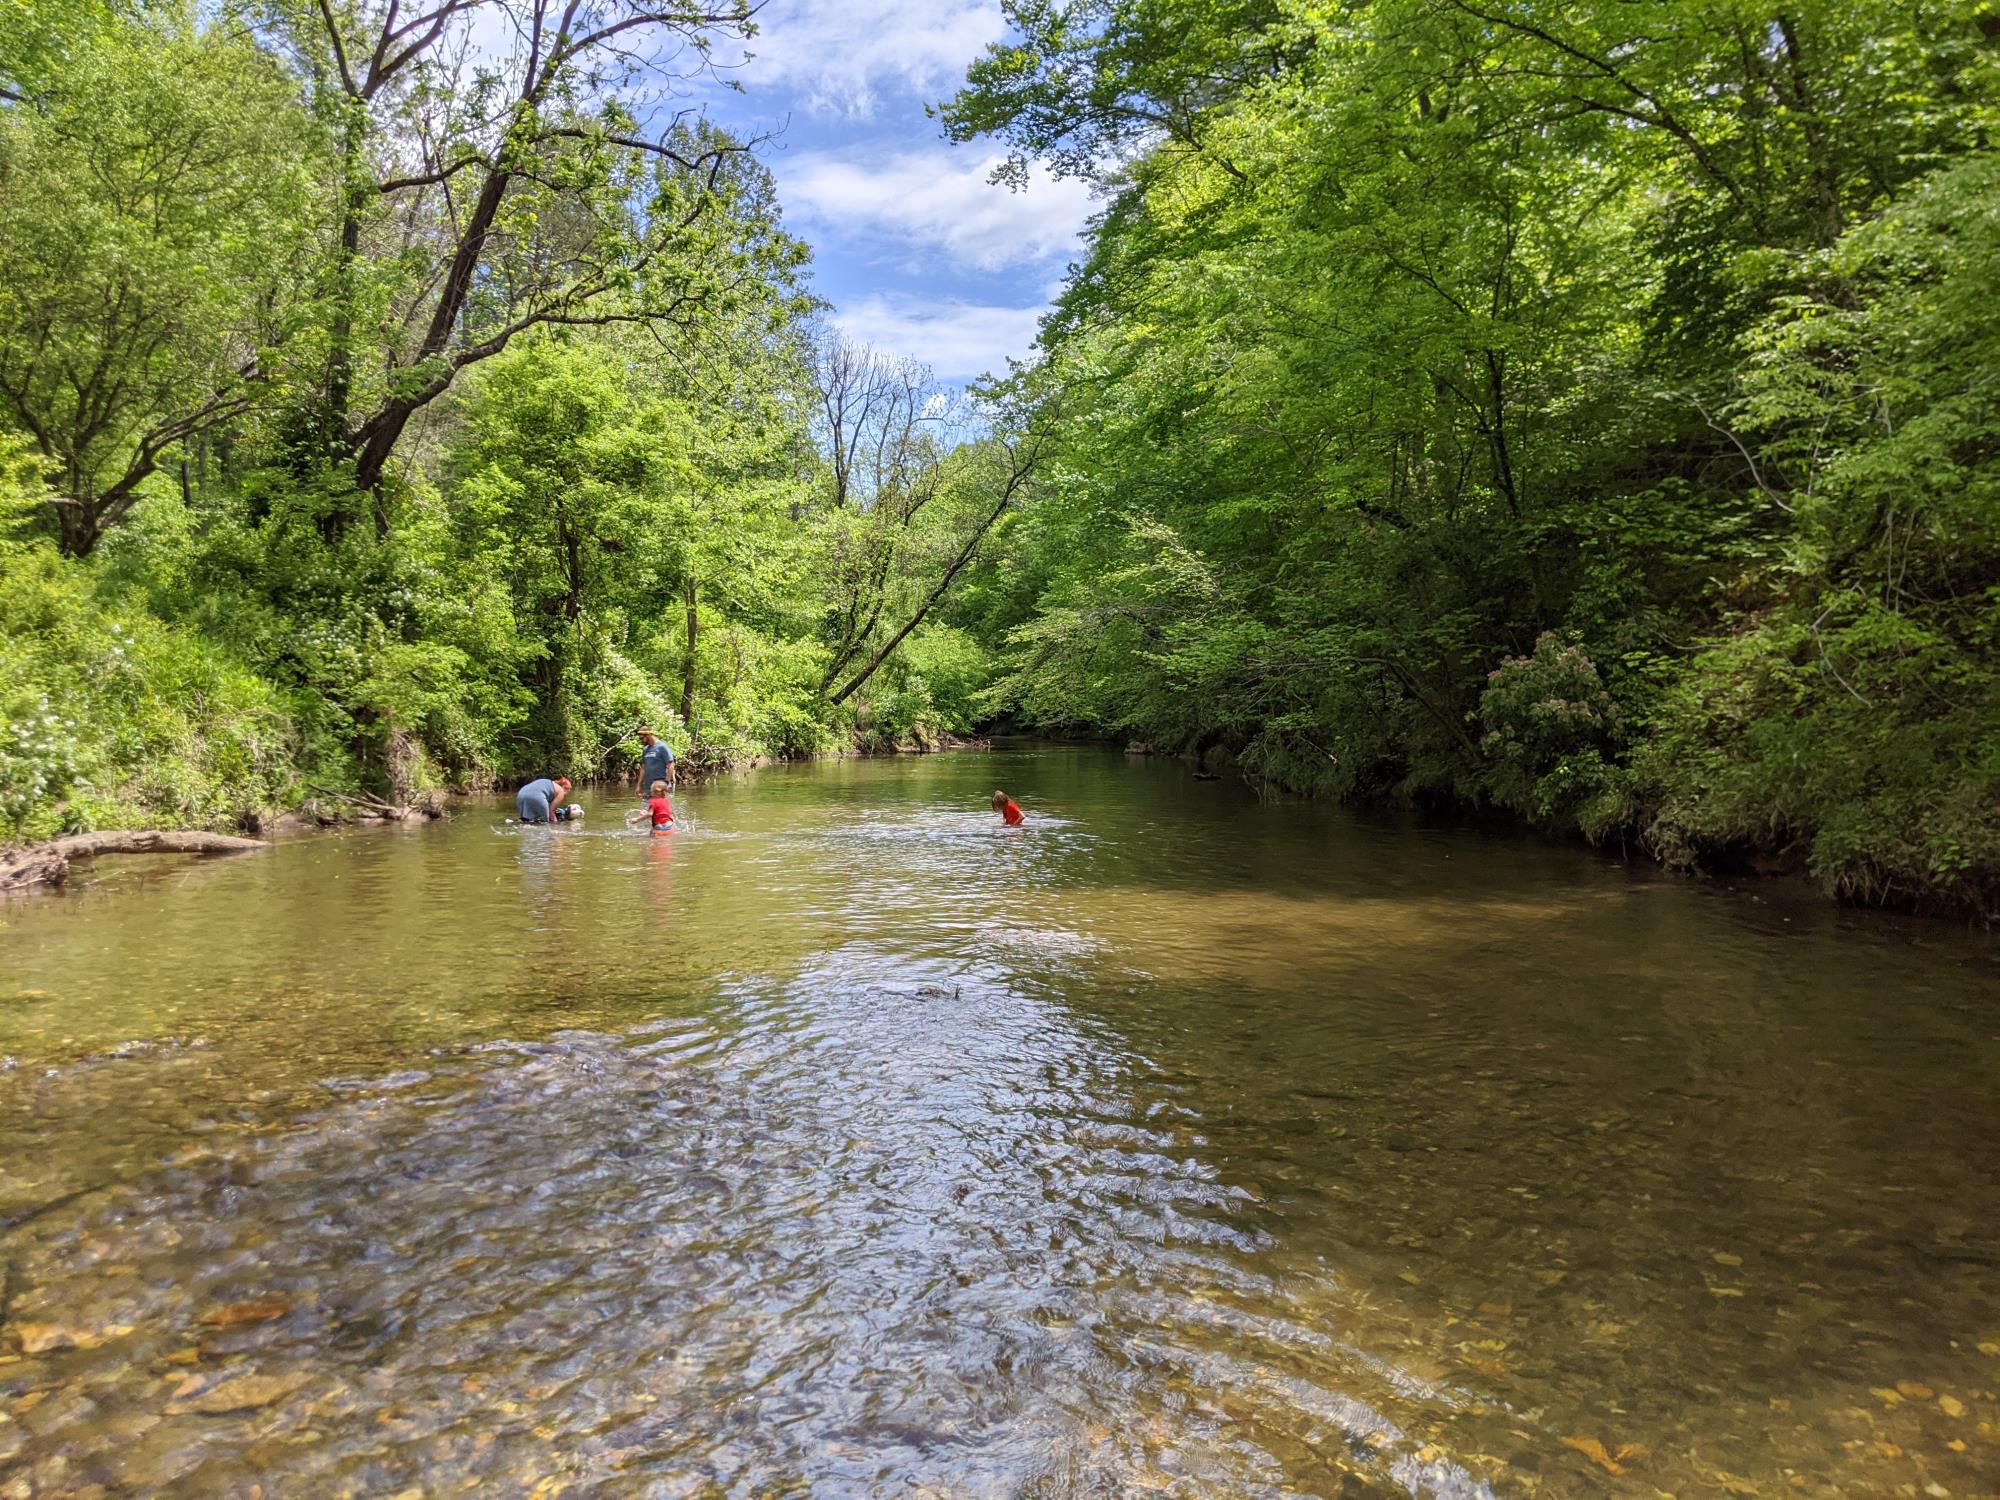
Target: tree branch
{"points": [[427, 179], [1662, 118], [389, 68], [339, 49], [1018, 471], [657, 148]]}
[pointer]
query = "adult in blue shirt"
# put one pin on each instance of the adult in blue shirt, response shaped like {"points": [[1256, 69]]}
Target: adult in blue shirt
{"points": [[538, 800], [656, 761]]}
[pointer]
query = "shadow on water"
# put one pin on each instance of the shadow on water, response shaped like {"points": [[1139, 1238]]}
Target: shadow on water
{"points": [[845, 1142]]}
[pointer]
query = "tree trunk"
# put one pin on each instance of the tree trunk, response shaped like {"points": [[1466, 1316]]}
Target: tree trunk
{"points": [[1018, 475], [78, 527], [376, 439], [340, 353], [1826, 178], [1503, 464], [48, 864], [687, 668], [552, 717]]}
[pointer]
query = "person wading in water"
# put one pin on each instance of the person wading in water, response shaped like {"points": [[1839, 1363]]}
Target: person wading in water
{"points": [[656, 761]]}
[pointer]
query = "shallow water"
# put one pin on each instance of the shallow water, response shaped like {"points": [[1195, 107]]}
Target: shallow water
{"points": [[844, 1143]]}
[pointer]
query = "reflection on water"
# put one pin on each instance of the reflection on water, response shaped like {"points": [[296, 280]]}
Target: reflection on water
{"points": [[842, 1142]]}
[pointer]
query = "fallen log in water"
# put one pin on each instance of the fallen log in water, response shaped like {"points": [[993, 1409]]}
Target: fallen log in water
{"points": [[48, 864], [429, 804]]}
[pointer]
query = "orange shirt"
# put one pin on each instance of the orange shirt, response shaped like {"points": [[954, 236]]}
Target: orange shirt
{"points": [[662, 811], [1012, 813]]}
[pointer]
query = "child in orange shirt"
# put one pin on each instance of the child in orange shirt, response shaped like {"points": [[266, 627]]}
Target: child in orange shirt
{"points": [[1008, 809]]}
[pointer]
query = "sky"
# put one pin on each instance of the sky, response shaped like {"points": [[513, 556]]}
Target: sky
{"points": [[918, 252]]}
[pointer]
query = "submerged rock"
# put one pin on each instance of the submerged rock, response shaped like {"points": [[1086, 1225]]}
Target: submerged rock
{"points": [[52, 1338], [239, 1393], [235, 1314]]}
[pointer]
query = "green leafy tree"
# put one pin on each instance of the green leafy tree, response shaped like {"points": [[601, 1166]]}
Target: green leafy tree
{"points": [[156, 196], [561, 490], [482, 197], [1414, 331], [1854, 708]]}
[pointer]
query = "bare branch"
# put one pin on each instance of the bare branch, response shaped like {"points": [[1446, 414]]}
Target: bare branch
{"points": [[427, 179], [435, 21], [339, 49], [1756, 474]]}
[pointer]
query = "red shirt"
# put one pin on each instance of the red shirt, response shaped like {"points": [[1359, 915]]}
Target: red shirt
{"points": [[1012, 813], [662, 811]]}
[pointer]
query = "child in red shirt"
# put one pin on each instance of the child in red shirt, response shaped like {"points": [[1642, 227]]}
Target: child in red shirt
{"points": [[1009, 809], [658, 808]]}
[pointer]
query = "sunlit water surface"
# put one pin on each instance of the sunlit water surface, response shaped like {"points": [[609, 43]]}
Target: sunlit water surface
{"points": [[843, 1142]]}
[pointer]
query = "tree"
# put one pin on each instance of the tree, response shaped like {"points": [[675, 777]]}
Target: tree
{"points": [[1859, 711], [558, 490], [978, 481], [1089, 83], [880, 420], [622, 490], [157, 195], [885, 427], [747, 547], [484, 196]]}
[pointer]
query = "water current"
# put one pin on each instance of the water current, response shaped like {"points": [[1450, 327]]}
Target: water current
{"points": [[843, 1142]]}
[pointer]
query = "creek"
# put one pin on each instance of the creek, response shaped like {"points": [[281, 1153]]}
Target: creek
{"points": [[844, 1142]]}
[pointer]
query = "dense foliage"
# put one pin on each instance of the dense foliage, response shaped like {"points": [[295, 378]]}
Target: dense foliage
{"points": [[379, 412], [1584, 410]]}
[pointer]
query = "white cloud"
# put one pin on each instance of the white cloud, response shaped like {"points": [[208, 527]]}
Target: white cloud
{"points": [[957, 339], [936, 198], [840, 54]]}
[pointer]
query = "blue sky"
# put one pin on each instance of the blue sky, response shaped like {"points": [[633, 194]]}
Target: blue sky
{"points": [[919, 254]]}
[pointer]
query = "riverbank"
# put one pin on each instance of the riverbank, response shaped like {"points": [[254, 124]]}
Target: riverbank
{"points": [[126, 705], [1640, 827], [28, 864], [1781, 862]]}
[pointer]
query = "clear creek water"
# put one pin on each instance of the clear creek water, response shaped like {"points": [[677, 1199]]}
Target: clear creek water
{"points": [[845, 1143]]}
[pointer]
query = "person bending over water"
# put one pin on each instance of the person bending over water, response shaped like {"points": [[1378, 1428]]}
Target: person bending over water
{"points": [[538, 801], [1008, 809], [658, 808]]}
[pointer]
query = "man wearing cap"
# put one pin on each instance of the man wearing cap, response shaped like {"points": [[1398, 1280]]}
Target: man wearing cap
{"points": [[538, 800], [656, 761]]}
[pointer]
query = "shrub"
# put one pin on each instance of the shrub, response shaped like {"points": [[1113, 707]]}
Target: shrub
{"points": [[109, 717], [1550, 725]]}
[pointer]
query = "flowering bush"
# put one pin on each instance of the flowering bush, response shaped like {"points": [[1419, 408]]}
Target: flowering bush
{"points": [[1549, 724], [38, 755]]}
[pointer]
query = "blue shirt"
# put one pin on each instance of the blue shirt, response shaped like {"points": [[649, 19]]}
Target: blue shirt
{"points": [[653, 763]]}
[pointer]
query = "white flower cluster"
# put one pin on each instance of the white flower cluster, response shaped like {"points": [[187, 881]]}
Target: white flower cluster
{"points": [[37, 756]]}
